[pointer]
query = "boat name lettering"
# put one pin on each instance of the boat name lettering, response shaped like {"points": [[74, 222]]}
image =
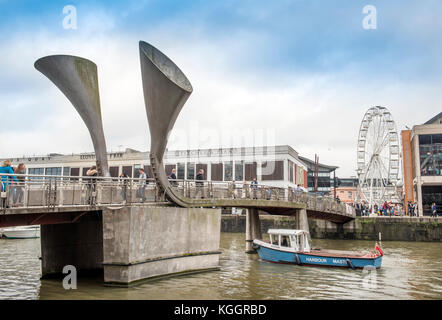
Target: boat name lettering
{"points": [[316, 259], [339, 261]]}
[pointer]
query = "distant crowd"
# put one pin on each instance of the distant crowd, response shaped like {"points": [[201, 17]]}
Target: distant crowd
{"points": [[391, 209]]}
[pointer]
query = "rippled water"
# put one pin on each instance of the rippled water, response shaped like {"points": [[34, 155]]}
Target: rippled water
{"points": [[19, 269], [410, 270]]}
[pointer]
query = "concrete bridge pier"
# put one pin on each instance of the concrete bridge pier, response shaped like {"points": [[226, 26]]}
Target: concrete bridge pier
{"points": [[253, 229], [145, 242], [302, 220]]}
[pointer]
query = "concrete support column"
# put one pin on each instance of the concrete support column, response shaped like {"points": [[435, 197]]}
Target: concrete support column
{"points": [[79, 244], [253, 229], [301, 220], [142, 242]]}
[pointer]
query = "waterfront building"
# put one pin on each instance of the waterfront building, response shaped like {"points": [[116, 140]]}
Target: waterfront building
{"points": [[422, 163], [325, 177], [346, 189], [278, 166]]}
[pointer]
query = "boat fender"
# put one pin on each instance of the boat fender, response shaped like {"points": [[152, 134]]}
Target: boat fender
{"points": [[297, 260], [350, 265], [255, 246]]}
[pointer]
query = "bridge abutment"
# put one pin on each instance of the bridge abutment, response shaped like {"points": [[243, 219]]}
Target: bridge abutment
{"points": [[253, 229], [142, 242]]}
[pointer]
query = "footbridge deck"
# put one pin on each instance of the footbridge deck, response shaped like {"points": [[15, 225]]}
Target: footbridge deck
{"points": [[37, 198]]}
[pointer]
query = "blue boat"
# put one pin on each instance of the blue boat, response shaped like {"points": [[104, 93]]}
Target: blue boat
{"points": [[293, 247]]}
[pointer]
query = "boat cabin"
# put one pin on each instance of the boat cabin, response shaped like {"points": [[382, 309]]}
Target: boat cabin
{"points": [[297, 240]]}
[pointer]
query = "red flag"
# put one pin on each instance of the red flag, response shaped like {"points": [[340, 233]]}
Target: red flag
{"points": [[376, 247]]}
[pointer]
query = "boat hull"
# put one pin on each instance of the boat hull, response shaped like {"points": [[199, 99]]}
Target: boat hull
{"points": [[21, 232], [314, 259]]}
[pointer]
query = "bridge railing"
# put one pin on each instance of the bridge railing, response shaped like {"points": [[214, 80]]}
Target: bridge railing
{"points": [[55, 191]]}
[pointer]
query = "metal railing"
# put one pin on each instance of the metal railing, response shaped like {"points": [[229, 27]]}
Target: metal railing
{"points": [[28, 191]]}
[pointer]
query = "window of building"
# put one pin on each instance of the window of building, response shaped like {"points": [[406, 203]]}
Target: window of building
{"points": [[272, 170], [128, 171], [430, 152], [191, 171], [250, 171], [216, 171], [136, 172], [113, 171], [228, 171], [36, 171], [181, 168], [239, 171], [53, 171]]}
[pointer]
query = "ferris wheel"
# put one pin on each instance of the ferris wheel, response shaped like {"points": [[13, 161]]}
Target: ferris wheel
{"points": [[378, 158]]}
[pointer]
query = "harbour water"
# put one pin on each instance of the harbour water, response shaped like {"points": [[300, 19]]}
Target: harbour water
{"points": [[410, 270]]}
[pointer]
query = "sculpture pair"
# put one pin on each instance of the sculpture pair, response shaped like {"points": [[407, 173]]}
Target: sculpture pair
{"points": [[165, 87]]}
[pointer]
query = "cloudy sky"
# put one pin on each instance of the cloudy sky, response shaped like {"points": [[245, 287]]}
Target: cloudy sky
{"points": [[300, 72]]}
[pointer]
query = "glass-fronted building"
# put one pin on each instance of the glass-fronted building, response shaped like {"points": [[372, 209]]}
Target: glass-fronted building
{"points": [[325, 176], [277, 166], [422, 160]]}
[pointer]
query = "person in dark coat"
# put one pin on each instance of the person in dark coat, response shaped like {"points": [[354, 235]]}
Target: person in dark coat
{"points": [[199, 183]]}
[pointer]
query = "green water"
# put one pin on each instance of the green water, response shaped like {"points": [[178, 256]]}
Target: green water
{"points": [[410, 270]]}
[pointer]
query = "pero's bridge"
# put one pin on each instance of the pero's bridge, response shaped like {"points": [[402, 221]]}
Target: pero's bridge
{"points": [[70, 198]]}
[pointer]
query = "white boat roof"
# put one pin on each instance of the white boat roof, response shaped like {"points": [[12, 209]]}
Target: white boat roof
{"points": [[287, 232]]}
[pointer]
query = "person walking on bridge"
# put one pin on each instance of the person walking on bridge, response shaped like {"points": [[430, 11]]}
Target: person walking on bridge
{"points": [[172, 178], [434, 210], [19, 188], [199, 184], [254, 187], [6, 181], [142, 185]]}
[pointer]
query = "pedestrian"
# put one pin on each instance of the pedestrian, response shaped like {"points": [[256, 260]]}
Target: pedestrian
{"points": [[172, 178], [245, 190], [199, 183], [124, 181], [385, 208], [92, 183], [6, 182], [142, 185], [434, 210], [20, 185], [254, 187]]}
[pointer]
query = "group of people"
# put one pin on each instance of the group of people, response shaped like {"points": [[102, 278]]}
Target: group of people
{"points": [[383, 209], [13, 184], [142, 183]]}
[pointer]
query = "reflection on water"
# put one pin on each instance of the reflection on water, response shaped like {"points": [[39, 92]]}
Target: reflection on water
{"points": [[409, 270]]}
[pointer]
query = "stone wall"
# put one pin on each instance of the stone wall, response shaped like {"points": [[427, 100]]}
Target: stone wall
{"points": [[391, 228]]}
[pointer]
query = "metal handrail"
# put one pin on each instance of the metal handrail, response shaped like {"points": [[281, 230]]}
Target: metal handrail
{"points": [[58, 190]]}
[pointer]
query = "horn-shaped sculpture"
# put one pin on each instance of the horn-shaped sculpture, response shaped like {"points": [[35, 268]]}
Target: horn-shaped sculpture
{"points": [[166, 90], [77, 78]]}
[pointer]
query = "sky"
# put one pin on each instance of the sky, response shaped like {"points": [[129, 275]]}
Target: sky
{"points": [[301, 73]]}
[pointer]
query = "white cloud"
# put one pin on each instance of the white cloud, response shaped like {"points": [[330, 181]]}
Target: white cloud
{"points": [[313, 114]]}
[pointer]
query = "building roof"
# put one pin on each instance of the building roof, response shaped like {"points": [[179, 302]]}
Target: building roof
{"points": [[311, 163], [434, 119]]}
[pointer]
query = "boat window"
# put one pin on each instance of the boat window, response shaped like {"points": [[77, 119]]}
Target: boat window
{"points": [[285, 241], [275, 239]]}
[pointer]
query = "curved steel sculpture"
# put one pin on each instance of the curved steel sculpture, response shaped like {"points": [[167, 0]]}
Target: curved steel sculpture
{"points": [[166, 90], [77, 78]]}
